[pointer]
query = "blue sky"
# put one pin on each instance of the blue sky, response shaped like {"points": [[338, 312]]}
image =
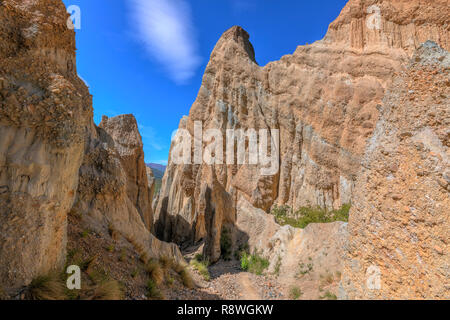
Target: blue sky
{"points": [[147, 57]]}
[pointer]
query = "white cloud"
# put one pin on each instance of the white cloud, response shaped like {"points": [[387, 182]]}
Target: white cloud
{"points": [[166, 30]]}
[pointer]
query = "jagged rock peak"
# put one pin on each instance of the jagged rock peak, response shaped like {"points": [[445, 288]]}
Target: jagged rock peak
{"points": [[124, 130], [238, 38]]}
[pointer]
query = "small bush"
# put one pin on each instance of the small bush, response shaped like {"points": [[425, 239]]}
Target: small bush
{"points": [[295, 293], [166, 262], [155, 272], [185, 277], [152, 290], [107, 290], [277, 267], [284, 215], [329, 296], [202, 267], [254, 263], [47, 287]]}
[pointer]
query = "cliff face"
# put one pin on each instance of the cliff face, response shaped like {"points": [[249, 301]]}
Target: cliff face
{"points": [[51, 152], [399, 224], [324, 99], [128, 143], [109, 186], [44, 112]]}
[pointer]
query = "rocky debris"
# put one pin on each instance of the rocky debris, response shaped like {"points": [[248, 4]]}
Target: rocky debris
{"points": [[45, 110], [398, 230], [128, 143], [325, 100]]}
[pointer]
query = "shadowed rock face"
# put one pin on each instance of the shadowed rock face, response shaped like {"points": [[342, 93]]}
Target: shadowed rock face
{"points": [[45, 110], [399, 224], [324, 99]]}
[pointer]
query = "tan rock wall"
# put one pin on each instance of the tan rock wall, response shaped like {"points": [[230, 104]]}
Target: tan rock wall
{"points": [[324, 99], [44, 112], [400, 220]]}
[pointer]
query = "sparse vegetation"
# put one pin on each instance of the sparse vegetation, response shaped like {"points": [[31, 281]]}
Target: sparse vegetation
{"points": [[301, 218], [153, 291], [277, 267], [107, 289], [166, 262], [329, 296], [155, 272], [201, 264], [295, 293], [84, 233], [305, 269], [226, 244], [186, 279], [254, 263], [47, 287]]}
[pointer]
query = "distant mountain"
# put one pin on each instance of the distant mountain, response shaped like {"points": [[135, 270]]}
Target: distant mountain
{"points": [[158, 169], [158, 173]]}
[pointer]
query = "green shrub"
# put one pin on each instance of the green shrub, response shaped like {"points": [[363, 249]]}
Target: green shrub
{"points": [[201, 265], [295, 293], [152, 290], [301, 218], [254, 263]]}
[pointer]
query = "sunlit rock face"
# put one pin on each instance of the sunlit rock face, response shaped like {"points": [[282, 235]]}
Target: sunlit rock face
{"points": [[324, 99], [45, 110], [399, 225]]}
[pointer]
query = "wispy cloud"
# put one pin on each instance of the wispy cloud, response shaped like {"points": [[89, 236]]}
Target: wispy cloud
{"points": [[242, 6], [165, 28]]}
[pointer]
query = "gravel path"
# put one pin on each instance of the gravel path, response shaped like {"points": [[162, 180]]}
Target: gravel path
{"points": [[229, 282]]}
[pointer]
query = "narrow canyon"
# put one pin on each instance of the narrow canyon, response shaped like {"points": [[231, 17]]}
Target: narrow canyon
{"points": [[360, 127]]}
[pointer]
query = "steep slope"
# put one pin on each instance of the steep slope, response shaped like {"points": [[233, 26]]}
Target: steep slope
{"points": [[45, 110], [399, 224], [324, 99]]}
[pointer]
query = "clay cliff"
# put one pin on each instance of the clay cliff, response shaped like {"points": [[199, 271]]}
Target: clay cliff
{"points": [[128, 143], [53, 159], [325, 100], [398, 244], [114, 191], [45, 112]]}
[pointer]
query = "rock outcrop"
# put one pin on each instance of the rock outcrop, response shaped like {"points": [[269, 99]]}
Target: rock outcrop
{"points": [[399, 225], [45, 110], [324, 99], [128, 143], [113, 191]]}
